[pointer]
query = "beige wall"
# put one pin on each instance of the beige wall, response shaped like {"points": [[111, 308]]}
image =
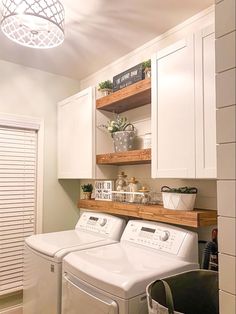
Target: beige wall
{"points": [[144, 52], [27, 91], [207, 188], [226, 152]]}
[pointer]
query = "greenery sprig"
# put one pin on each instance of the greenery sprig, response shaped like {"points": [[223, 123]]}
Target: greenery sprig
{"points": [[87, 187], [117, 124], [146, 64], [105, 85], [183, 190]]}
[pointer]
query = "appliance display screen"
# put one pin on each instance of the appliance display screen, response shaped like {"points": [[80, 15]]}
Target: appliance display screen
{"points": [[148, 229], [93, 218]]}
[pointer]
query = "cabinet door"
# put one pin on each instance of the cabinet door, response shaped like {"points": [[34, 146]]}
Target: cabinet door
{"points": [[173, 127], [205, 103], [76, 136]]}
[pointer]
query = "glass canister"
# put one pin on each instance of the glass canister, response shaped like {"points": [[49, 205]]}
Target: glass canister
{"points": [[132, 187], [121, 181], [145, 197]]}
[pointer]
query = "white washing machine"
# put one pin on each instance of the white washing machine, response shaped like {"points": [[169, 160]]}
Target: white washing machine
{"points": [[113, 279], [44, 254]]}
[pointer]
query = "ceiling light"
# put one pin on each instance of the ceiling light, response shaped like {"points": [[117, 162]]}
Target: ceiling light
{"points": [[33, 23]]}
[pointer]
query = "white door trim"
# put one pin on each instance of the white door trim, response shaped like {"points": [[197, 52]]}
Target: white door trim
{"points": [[13, 310], [37, 124]]}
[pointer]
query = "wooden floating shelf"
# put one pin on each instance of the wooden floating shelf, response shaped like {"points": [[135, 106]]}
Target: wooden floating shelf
{"points": [[130, 97], [132, 157], [192, 218]]}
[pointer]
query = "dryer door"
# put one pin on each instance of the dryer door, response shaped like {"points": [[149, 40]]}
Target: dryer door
{"points": [[78, 298]]}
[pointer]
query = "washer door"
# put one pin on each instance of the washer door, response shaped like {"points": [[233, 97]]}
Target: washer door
{"points": [[78, 298]]}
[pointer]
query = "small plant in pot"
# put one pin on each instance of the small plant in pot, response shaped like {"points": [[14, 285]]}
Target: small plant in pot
{"points": [[146, 65], [182, 198], [122, 132], [87, 190], [105, 87]]}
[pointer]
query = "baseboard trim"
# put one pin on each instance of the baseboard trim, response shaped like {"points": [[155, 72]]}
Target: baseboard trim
{"points": [[13, 310]]}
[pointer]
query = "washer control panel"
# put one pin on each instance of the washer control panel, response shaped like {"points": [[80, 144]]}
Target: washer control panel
{"points": [[102, 224], [158, 236], [95, 223]]}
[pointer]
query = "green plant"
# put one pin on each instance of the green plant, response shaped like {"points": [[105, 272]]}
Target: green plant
{"points": [[146, 64], [117, 124], [183, 190], [87, 187], [105, 85]]}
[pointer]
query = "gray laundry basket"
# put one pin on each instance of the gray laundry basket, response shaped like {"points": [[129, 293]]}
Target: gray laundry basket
{"points": [[192, 292]]}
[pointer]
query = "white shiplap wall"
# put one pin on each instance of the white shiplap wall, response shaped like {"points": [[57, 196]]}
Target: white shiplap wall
{"points": [[226, 152]]}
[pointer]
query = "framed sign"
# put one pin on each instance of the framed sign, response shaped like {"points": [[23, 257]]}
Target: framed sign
{"points": [[103, 190], [128, 77]]}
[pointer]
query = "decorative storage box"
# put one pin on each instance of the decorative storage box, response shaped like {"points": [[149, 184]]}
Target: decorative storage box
{"points": [[103, 190]]}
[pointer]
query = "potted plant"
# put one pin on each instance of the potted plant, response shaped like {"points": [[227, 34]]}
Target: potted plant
{"points": [[146, 65], [87, 190], [105, 87], [182, 198], [122, 132]]}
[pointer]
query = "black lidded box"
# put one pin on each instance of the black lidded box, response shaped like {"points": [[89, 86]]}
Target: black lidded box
{"points": [[128, 77]]}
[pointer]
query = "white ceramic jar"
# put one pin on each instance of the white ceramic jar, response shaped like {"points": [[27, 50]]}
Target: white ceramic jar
{"points": [[147, 141]]}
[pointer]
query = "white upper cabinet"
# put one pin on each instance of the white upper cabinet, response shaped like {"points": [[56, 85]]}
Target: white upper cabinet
{"points": [[205, 102], [183, 109], [173, 111], [76, 136]]}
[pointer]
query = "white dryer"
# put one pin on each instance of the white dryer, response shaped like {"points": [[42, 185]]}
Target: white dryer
{"points": [[113, 279], [44, 254]]}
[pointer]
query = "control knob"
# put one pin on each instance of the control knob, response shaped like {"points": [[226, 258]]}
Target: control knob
{"points": [[164, 236], [103, 222]]}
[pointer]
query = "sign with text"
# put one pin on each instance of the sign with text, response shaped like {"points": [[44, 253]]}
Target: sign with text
{"points": [[128, 77]]}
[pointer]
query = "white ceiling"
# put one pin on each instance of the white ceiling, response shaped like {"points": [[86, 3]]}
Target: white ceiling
{"points": [[100, 31]]}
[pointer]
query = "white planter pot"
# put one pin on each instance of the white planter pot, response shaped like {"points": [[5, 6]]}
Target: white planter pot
{"points": [[178, 201]]}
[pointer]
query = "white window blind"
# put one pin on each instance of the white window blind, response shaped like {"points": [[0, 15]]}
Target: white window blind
{"points": [[18, 165]]}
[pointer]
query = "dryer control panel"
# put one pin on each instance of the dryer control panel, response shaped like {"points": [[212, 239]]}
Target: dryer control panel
{"points": [[158, 236], [102, 224]]}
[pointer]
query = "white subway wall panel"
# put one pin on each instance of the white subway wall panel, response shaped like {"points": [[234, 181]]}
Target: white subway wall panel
{"points": [[226, 117], [227, 303], [225, 16], [226, 161], [226, 199], [225, 88], [227, 239], [225, 52], [227, 273]]}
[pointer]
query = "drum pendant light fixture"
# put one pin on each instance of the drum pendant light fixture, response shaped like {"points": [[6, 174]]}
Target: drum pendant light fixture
{"points": [[34, 23]]}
